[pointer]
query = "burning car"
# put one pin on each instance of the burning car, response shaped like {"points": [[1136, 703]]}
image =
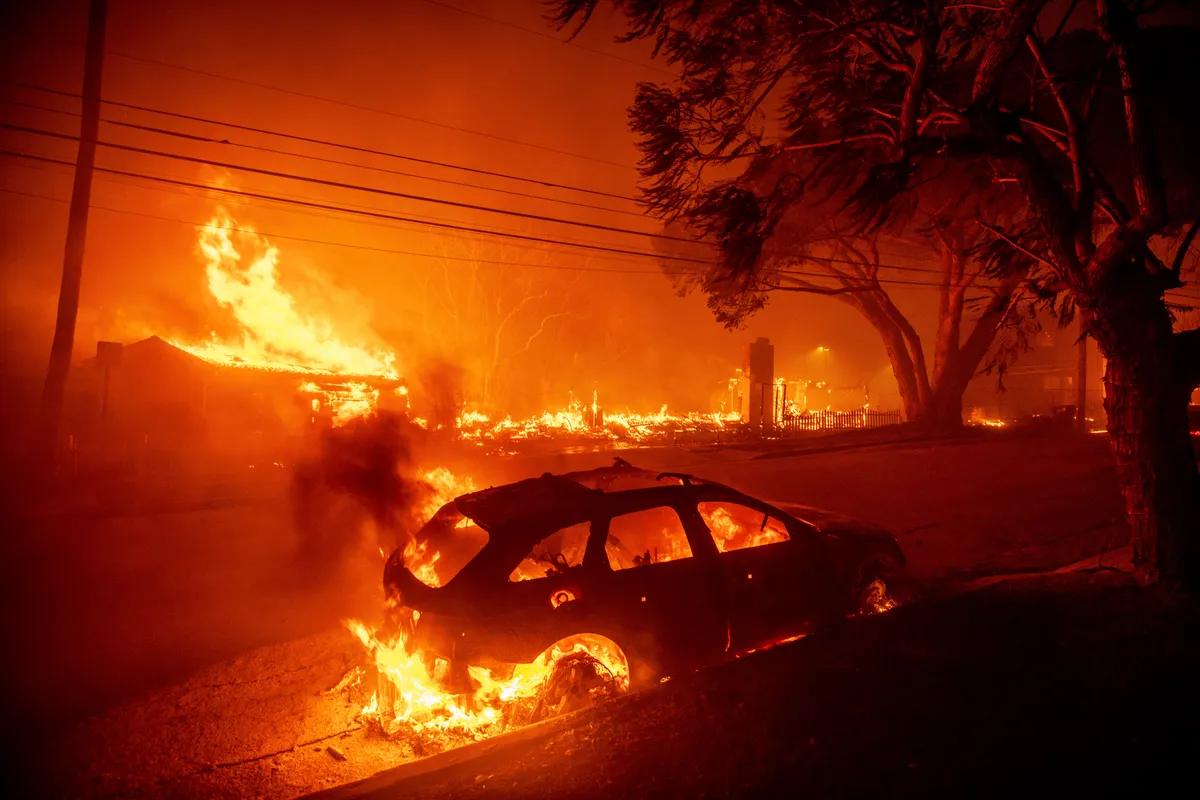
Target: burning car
{"points": [[625, 577]]}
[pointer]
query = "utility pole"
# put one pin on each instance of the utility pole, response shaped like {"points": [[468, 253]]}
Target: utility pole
{"points": [[72, 274], [1081, 379]]}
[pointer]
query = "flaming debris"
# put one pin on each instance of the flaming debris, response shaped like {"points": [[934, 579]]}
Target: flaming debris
{"points": [[409, 699], [588, 421]]}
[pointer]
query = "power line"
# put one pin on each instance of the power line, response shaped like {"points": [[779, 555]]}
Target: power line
{"points": [[394, 251], [336, 144], [849, 280], [866, 281], [359, 107], [276, 151], [289, 237], [328, 143], [150, 183], [470, 206], [374, 214], [351, 186], [544, 35]]}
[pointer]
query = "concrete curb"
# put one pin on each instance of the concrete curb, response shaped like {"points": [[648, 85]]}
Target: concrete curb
{"points": [[396, 775], [1119, 559]]}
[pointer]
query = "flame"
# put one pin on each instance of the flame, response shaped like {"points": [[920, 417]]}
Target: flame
{"points": [[345, 401], [589, 421], [413, 702], [410, 698], [275, 335], [876, 599], [731, 534]]}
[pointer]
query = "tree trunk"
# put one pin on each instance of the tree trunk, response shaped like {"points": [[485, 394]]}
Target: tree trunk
{"points": [[1146, 399]]}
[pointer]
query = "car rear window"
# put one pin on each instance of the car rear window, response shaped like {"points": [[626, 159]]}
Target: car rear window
{"points": [[650, 536], [736, 527], [445, 545]]}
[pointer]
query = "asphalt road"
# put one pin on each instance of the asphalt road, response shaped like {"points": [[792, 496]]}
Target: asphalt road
{"points": [[104, 611]]}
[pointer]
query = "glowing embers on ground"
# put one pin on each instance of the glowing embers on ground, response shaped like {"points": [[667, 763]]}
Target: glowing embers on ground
{"points": [[589, 422], [410, 698], [274, 334]]}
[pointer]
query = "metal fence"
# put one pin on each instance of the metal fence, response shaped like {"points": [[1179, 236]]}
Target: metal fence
{"points": [[836, 420]]}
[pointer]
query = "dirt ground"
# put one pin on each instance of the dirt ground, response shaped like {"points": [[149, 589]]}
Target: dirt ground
{"points": [[201, 645]]}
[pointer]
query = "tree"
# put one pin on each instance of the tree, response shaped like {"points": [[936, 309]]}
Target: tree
{"points": [[876, 93], [497, 312], [813, 251]]}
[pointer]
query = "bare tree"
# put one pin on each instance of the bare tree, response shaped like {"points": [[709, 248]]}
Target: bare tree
{"points": [[484, 309]]}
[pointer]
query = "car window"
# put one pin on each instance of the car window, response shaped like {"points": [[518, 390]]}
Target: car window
{"points": [[646, 537], [554, 555], [443, 546], [735, 527]]}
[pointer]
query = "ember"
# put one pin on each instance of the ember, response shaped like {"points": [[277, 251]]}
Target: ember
{"points": [[590, 422]]}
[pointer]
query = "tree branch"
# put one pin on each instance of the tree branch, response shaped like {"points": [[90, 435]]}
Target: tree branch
{"points": [[931, 33], [1184, 246], [1117, 25], [999, 234], [1017, 19], [864, 137]]}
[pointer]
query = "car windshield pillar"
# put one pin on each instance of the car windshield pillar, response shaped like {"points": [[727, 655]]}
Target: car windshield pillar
{"points": [[699, 537], [595, 556]]}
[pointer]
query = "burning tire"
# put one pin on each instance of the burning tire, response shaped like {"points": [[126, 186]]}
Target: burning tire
{"points": [[578, 681], [874, 598]]}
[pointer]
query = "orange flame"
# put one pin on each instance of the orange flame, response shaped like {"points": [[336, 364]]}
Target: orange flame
{"points": [[275, 335], [413, 702]]}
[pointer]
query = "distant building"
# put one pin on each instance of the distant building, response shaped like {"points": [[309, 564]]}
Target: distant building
{"points": [[757, 382], [1041, 380]]}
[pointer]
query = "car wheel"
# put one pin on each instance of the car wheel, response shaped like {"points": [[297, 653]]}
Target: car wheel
{"points": [[576, 681]]}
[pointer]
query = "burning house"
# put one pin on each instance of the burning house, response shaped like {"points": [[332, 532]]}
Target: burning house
{"points": [[152, 403]]}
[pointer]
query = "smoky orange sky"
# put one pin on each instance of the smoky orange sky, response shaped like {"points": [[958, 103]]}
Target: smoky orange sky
{"points": [[538, 108]]}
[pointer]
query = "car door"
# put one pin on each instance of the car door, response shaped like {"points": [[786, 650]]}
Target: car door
{"points": [[771, 591], [545, 598], [661, 591]]}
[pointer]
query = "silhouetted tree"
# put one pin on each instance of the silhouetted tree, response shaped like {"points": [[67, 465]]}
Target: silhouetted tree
{"points": [[875, 94], [482, 309], [812, 250]]}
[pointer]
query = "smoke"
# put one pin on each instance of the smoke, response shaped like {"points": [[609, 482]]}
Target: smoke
{"points": [[359, 489], [441, 385]]}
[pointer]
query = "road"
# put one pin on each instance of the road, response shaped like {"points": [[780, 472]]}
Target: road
{"points": [[106, 610]]}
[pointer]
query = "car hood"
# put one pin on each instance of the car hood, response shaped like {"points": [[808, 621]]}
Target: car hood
{"points": [[830, 521]]}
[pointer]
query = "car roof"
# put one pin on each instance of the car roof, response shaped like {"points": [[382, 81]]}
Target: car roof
{"points": [[552, 502]]}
